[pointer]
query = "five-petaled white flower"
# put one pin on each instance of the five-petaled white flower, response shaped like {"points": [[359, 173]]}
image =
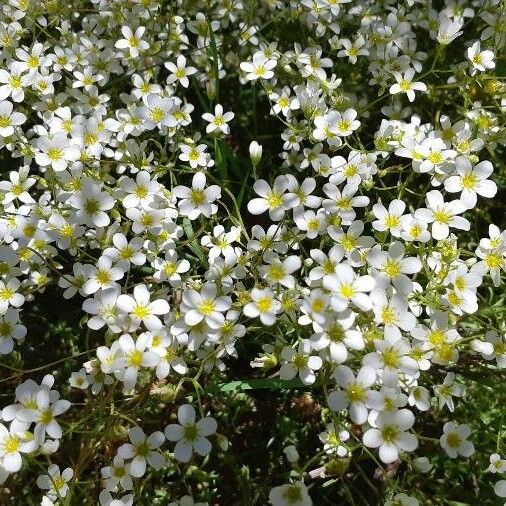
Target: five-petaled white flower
{"points": [[190, 435]]}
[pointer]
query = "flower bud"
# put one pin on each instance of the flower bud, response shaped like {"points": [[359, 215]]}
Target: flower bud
{"points": [[422, 464], [255, 153], [291, 453]]}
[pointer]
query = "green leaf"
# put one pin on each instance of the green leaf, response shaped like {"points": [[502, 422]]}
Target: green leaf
{"points": [[214, 51], [220, 160], [257, 384], [194, 243]]}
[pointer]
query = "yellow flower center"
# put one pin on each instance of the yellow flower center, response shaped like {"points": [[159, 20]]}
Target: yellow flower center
{"points": [[388, 316], [389, 433], [141, 192], [103, 276], [207, 307], [264, 304], [274, 199], [392, 221], [392, 268], [405, 85], [11, 444], [453, 440], [494, 261], [5, 121], [157, 114], [276, 272], [6, 293], [436, 337], [355, 393], [141, 312], [469, 181], [197, 197], [135, 358], [347, 291], [442, 216], [390, 357]]}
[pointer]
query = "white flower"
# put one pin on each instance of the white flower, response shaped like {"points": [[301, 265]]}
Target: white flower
{"points": [[179, 71], [91, 203], [414, 229], [471, 181], [313, 224], [206, 305], [126, 252], [347, 287], [190, 435], [291, 494], [195, 155], [389, 433], [9, 119], [102, 276], [118, 473], [170, 268], [481, 60], [79, 379], [392, 267], [17, 187], [392, 313], [454, 440], [55, 482], [12, 444], [500, 488], [300, 362], [140, 192], [497, 464], [135, 355], [44, 412], [334, 124], [333, 441], [141, 309], [187, 500], [13, 81], [9, 295], [142, 450], [105, 499], [259, 68], [449, 29], [442, 215], [264, 305], [280, 272], [218, 120], [447, 390], [354, 393], [132, 41], [274, 199], [56, 151], [353, 49], [10, 330], [198, 199], [390, 219], [104, 309], [157, 112], [342, 202], [406, 85]]}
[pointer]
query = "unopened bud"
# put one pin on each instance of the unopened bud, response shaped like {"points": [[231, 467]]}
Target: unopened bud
{"points": [[291, 453], [422, 464], [255, 153]]}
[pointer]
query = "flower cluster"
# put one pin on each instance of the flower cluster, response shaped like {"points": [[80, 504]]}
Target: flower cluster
{"points": [[216, 202]]}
